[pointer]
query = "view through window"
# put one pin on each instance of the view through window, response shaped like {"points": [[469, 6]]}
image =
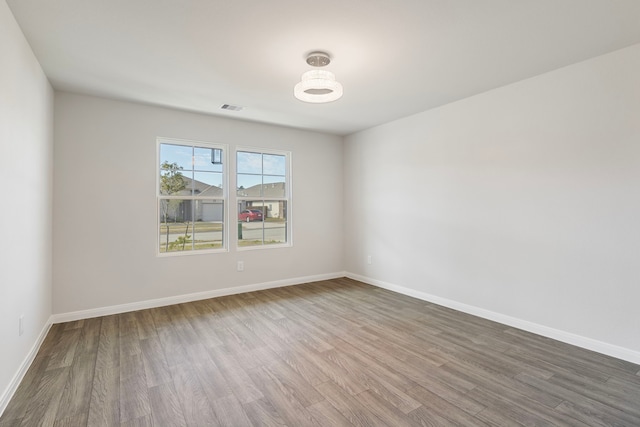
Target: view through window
{"points": [[263, 197]]}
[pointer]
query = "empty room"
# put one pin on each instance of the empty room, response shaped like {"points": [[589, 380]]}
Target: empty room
{"points": [[337, 213]]}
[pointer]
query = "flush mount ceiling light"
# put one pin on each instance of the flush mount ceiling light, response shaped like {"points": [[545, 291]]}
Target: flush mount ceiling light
{"points": [[318, 86]]}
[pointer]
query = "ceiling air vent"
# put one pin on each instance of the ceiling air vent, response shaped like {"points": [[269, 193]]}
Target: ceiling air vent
{"points": [[231, 107]]}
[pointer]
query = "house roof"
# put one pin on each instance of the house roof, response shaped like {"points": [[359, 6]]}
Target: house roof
{"points": [[201, 189], [267, 191]]}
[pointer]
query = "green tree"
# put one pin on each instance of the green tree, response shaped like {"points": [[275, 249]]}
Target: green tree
{"points": [[171, 182]]}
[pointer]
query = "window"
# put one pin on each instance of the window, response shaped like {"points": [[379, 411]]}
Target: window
{"points": [[191, 194], [263, 196]]}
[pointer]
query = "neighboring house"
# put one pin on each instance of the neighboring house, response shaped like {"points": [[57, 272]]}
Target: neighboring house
{"points": [[205, 210], [213, 210]]}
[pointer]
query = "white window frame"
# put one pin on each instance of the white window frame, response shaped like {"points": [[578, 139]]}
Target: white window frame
{"points": [[224, 198], [287, 197]]}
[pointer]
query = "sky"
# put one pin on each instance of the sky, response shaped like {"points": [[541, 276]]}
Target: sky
{"points": [[252, 168]]}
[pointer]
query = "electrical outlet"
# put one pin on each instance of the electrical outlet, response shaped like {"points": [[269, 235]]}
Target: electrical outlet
{"points": [[240, 265], [368, 259], [21, 325]]}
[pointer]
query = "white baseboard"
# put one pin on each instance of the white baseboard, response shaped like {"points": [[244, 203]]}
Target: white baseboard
{"points": [[24, 367], [178, 299], [556, 334]]}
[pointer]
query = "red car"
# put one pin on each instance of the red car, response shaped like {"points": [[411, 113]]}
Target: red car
{"points": [[250, 215]]}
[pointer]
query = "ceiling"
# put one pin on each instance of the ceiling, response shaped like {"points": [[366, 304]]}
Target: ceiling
{"points": [[393, 57]]}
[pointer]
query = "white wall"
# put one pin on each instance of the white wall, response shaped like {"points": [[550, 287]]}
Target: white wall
{"points": [[26, 143], [105, 205], [523, 201]]}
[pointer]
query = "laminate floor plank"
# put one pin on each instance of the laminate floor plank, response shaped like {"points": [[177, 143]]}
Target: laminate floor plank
{"points": [[300, 359], [523, 409], [212, 381], [411, 367], [284, 398], [43, 407], [327, 415], [173, 348], [134, 390], [499, 384], [129, 338], [104, 405], [236, 377], [346, 380], [229, 412], [425, 417], [241, 342], [89, 337], [262, 413], [108, 354], [76, 396], [64, 351], [587, 415], [382, 409], [486, 355], [579, 402], [331, 353], [607, 395], [145, 421], [349, 406], [154, 362], [372, 382], [433, 403], [294, 383], [495, 417], [202, 326], [390, 394], [629, 385], [146, 329], [50, 341], [195, 405], [224, 317], [165, 406], [374, 368]]}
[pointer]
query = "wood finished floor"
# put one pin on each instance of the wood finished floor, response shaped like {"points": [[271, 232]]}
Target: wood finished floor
{"points": [[337, 352]]}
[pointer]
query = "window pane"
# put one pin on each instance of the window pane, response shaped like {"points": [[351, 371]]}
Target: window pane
{"points": [[208, 228], [179, 154], [249, 185], [275, 225], [249, 162], [187, 225], [274, 164], [176, 225], [275, 210], [207, 184], [202, 160], [262, 222], [250, 220]]}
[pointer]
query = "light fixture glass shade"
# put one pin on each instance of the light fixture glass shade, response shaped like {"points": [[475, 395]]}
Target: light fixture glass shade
{"points": [[318, 86]]}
